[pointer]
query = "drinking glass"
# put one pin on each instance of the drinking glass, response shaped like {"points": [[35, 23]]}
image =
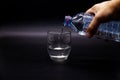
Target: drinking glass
{"points": [[59, 44]]}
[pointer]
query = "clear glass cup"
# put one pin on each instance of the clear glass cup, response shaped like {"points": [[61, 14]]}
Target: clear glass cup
{"points": [[59, 44]]}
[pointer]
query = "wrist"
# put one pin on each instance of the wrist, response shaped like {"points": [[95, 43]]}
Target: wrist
{"points": [[115, 4]]}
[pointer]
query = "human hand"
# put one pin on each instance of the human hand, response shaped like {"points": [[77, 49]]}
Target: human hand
{"points": [[104, 11]]}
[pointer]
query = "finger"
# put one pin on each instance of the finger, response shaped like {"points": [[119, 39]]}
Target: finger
{"points": [[89, 11], [92, 10], [92, 28]]}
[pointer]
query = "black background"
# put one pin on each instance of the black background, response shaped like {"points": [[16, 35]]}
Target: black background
{"points": [[31, 10], [23, 43]]}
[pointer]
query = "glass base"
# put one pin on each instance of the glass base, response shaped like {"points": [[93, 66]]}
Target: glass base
{"points": [[59, 58]]}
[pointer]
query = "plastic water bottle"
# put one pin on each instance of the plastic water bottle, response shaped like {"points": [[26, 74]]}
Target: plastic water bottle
{"points": [[79, 23]]}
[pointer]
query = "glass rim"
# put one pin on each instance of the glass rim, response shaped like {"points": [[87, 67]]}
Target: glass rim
{"points": [[58, 32]]}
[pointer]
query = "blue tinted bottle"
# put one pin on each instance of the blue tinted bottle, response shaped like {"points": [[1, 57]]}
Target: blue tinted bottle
{"points": [[79, 23]]}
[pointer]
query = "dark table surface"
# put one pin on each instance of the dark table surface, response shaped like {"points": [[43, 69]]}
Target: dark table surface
{"points": [[24, 56]]}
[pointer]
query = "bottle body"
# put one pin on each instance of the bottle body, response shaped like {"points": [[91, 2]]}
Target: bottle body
{"points": [[109, 30]]}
